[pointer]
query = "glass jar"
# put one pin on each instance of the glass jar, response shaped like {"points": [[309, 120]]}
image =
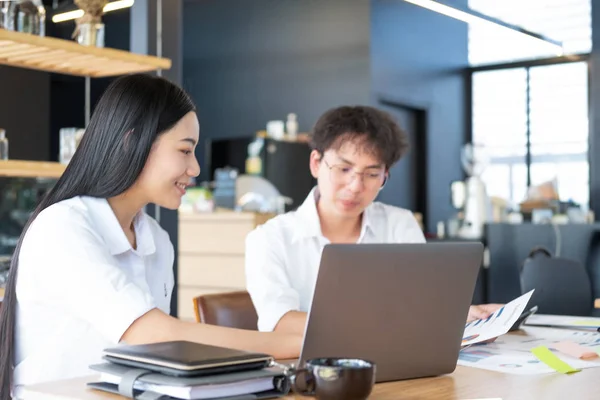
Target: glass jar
{"points": [[26, 16], [91, 34]]}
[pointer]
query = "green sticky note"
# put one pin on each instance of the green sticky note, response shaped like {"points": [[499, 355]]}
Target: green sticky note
{"points": [[550, 359]]}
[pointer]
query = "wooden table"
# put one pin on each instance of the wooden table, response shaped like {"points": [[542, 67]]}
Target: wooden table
{"points": [[472, 383], [465, 383]]}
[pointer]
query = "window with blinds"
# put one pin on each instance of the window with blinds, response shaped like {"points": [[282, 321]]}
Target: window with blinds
{"points": [[567, 21], [532, 121], [548, 105], [559, 128], [500, 128]]}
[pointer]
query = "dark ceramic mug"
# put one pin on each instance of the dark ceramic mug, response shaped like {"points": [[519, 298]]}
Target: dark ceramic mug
{"points": [[334, 378]]}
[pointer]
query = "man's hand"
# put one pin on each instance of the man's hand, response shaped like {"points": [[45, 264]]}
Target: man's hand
{"points": [[482, 311]]}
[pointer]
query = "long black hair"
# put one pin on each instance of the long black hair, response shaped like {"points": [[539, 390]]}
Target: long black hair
{"points": [[133, 111]]}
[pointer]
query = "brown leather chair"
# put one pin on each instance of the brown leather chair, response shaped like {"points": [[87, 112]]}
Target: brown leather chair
{"points": [[233, 309]]}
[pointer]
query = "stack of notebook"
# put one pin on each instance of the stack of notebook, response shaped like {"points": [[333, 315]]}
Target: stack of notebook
{"points": [[187, 370]]}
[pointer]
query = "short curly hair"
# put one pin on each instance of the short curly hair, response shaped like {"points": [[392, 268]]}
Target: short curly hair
{"points": [[374, 129]]}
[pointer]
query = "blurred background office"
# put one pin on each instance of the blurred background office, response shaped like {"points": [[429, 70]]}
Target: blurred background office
{"points": [[499, 99]]}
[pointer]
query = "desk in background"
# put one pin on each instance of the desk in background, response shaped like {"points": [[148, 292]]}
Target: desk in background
{"points": [[211, 255], [509, 246]]}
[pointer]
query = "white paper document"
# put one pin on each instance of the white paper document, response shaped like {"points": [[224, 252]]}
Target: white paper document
{"points": [[512, 353], [561, 321], [496, 324]]}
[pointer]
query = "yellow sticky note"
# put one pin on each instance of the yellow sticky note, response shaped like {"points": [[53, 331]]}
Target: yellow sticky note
{"points": [[587, 322], [550, 359]]}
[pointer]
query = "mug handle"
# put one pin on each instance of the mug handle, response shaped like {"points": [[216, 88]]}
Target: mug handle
{"points": [[308, 382]]}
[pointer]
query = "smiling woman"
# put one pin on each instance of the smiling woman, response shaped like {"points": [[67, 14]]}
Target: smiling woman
{"points": [[170, 165], [91, 269]]}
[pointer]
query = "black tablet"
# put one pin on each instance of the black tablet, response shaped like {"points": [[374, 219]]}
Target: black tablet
{"points": [[183, 358]]}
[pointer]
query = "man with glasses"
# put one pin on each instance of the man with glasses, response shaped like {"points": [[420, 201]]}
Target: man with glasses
{"points": [[353, 151]]}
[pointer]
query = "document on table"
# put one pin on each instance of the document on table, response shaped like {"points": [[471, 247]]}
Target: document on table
{"points": [[512, 353]]}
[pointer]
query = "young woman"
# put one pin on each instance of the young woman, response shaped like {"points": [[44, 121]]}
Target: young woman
{"points": [[91, 269]]}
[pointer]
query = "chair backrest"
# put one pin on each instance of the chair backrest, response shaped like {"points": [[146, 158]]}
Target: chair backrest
{"points": [[562, 286], [233, 309]]}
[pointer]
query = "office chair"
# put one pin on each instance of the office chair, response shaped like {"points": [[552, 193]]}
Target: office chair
{"points": [[562, 286], [233, 309]]}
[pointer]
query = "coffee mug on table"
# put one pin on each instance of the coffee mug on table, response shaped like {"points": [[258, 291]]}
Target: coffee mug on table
{"points": [[334, 378]]}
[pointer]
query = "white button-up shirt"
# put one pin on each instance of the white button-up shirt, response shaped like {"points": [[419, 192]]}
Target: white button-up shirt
{"points": [[283, 255], [80, 286]]}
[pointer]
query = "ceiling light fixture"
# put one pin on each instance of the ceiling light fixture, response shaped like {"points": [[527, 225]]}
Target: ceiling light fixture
{"points": [[473, 17], [112, 6]]}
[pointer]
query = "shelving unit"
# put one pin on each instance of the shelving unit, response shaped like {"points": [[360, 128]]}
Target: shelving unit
{"points": [[68, 57], [31, 169], [49, 54]]}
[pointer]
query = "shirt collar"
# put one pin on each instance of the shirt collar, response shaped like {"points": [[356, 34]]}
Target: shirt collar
{"points": [[310, 225], [367, 222], [112, 233]]}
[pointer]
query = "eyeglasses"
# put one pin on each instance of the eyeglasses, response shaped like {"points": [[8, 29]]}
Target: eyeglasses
{"points": [[343, 175]]}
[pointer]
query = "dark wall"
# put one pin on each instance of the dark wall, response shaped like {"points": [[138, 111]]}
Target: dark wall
{"points": [[247, 62], [594, 116], [25, 113], [417, 57]]}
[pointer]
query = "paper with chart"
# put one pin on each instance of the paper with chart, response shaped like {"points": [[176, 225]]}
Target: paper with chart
{"points": [[512, 353], [496, 324]]}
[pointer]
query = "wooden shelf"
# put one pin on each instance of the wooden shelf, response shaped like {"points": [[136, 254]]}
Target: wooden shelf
{"points": [[31, 169], [24, 50]]}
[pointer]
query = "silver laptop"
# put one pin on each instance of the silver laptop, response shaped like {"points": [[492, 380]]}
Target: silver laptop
{"points": [[402, 306]]}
